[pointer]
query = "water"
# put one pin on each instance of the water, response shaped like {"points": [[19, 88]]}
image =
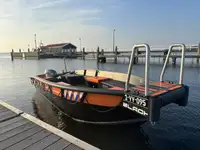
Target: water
{"points": [[179, 128]]}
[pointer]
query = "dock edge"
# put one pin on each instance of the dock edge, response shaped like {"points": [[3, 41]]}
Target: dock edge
{"points": [[50, 128]]}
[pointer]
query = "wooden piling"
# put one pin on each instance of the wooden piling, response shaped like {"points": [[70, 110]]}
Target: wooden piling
{"points": [[97, 54], [38, 54], [165, 55], [198, 53], [174, 61], [83, 54], [135, 60], [102, 52], [93, 54], [115, 59], [11, 54]]}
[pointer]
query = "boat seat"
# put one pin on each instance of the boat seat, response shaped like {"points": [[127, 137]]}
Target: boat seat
{"points": [[96, 79], [52, 79], [74, 79]]}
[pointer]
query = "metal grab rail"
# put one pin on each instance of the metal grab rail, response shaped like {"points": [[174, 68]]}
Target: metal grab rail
{"points": [[182, 62], [146, 67]]}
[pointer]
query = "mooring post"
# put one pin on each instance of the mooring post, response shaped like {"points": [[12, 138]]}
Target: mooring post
{"points": [[136, 53], [38, 52], [93, 54], [135, 60], [97, 54], [11, 54], [83, 53], [165, 55], [116, 50], [198, 53], [102, 52], [102, 58], [174, 61]]}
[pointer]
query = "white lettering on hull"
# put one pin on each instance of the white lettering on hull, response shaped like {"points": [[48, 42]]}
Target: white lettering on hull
{"points": [[138, 110]]}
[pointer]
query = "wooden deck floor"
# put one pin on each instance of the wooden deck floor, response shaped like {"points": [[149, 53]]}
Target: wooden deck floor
{"points": [[21, 131]]}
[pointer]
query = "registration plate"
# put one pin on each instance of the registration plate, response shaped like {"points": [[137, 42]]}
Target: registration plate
{"points": [[140, 101], [136, 104]]}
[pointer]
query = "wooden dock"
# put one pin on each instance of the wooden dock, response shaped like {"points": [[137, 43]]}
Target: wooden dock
{"points": [[19, 130]]}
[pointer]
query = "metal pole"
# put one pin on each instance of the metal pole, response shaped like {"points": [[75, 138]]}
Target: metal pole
{"points": [[113, 40]]}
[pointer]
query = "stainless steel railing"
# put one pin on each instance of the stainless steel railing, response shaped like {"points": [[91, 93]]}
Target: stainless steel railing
{"points": [[146, 46], [183, 47]]}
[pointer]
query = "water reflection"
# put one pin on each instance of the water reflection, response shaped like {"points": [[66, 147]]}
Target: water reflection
{"points": [[105, 137]]}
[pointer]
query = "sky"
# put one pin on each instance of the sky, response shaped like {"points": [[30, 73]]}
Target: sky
{"points": [[156, 22]]}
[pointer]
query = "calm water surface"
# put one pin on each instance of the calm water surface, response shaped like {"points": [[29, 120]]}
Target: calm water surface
{"points": [[178, 129]]}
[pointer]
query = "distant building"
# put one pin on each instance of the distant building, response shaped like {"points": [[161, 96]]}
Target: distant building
{"points": [[58, 49]]}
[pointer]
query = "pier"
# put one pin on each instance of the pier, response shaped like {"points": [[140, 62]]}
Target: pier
{"points": [[103, 56], [19, 130]]}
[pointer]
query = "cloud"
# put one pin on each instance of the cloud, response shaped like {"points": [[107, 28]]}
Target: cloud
{"points": [[48, 4], [90, 11], [53, 21], [60, 15]]}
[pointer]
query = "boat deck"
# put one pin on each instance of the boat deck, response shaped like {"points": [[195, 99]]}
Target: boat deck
{"points": [[155, 88], [19, 130]]}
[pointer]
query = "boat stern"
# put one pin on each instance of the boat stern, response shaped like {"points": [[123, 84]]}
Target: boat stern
{"points": [[150, 106]]}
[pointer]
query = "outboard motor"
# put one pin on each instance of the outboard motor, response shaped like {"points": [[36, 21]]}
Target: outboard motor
{"points": [[50, 73]]}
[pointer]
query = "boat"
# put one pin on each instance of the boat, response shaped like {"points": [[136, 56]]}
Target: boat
{"points": [[103, 97]]}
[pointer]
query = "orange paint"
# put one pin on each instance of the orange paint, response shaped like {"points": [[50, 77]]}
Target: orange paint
{"points": [[175, 87], [95, 79], [103, 100], [141, 91], [163, 84], [143, 88], [158, 93], [56, 91]]}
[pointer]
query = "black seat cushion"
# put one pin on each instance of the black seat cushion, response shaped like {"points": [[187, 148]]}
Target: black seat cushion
{"points": [[75, 79]]}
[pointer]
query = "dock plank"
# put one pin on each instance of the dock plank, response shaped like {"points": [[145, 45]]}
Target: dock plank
{"points": [[11, 121], [12, 126], [45, 142], [30, 140], [6, 115], [72, 147], [3, 110], [19, 137], [58, 145], [16, 131]]}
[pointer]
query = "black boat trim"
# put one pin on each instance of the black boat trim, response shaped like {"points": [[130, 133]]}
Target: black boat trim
{"points": [[129, 121]]}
